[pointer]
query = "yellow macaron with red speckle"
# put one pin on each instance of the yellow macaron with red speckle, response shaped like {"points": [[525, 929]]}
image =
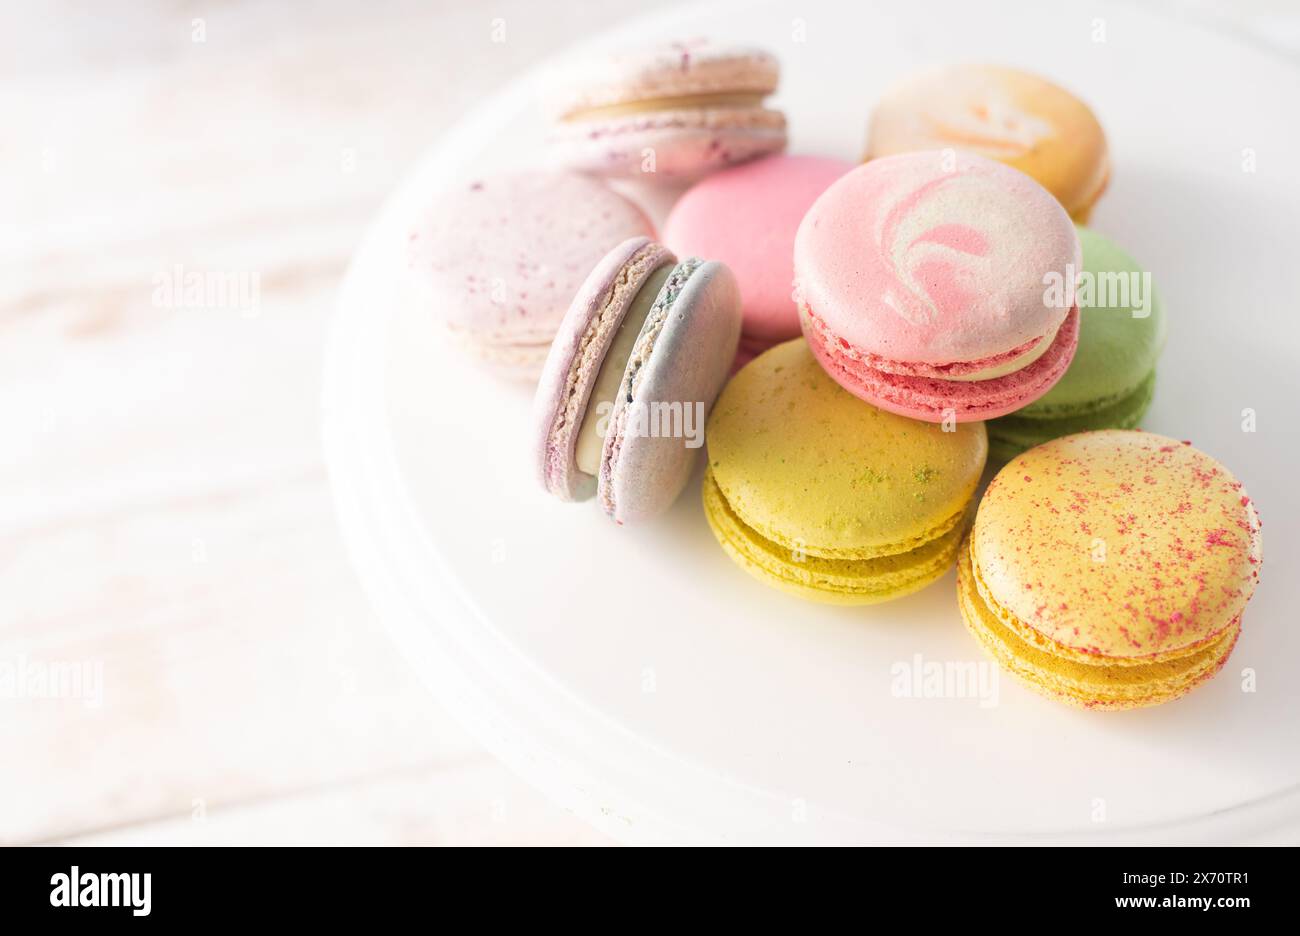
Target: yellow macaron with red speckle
{"points": [[1110, 569]]}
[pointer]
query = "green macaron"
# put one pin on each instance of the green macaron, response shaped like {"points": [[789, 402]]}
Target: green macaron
{"points": [[1112, 378]]}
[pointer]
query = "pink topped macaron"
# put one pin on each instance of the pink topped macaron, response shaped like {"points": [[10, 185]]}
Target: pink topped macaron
{"points": [[746, 216], [667, 113], [939, 285], [497, 259], [638, 361]]}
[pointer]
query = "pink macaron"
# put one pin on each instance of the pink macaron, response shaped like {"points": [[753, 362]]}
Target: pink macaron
{"points": [[639, 359], [497, 259], [667, 113], [746, 216], [939, 285]]}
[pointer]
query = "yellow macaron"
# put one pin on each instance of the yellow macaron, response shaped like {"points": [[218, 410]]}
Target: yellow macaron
{"points": [[1110, 569], [1005, 114], [815, 492]]}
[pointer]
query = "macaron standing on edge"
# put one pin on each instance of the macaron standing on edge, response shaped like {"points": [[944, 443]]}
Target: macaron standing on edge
{"points": [[1110, 569], [1111, 381], [639, 359], [746, 216], [817, 494], [938, 285], [669, 113], [1005, 114], [496, 260]]}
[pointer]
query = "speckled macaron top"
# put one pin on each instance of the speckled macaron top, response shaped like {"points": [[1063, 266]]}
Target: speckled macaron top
{"points": [[500, 257], [811, 467], [1118, 544]]}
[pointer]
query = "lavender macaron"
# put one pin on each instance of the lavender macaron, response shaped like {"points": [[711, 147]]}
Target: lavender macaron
{"points": [[632, 374]]}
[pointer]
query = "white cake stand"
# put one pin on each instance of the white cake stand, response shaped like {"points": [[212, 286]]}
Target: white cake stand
{"points": [[642, 681]]}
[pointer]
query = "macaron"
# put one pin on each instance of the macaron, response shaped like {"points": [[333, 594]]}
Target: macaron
{"points": [[820, 495], [668, 113], [1109, 569], [936, 285], [746, 216], [1111, 380], [1005, 114], [496, 260], [639, 359]]}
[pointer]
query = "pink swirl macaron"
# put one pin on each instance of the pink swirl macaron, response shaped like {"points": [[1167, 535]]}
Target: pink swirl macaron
{"points": [[939, 285]]}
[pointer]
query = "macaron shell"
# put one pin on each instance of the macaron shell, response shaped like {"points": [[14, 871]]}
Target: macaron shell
{"points": [[668, 70], [686, 361], [934, 400], [831, 581], [498, 259], [1002, 113], [575, 359], [746, 216], [679, 146], [1120, 545], [934, 258], [1091, 684], [813, 469]]}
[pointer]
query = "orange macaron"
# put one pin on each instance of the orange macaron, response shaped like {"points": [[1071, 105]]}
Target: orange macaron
{"points": [[1002, 113]]}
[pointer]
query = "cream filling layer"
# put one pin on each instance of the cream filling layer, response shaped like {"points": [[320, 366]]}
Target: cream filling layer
{"points": [[591, 433], [682, 102], [1011, 366]]}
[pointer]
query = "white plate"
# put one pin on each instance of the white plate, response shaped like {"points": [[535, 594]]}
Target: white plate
{"points": [[643, 681]]}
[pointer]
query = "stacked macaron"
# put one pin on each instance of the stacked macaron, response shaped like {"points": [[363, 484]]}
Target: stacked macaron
{"points": [[920, 282], [1110, 569], [818, 494], [640, 358], [668, 113]]}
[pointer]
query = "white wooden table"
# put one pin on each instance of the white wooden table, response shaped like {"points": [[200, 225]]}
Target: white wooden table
{"points": [[165, 520], [164, 512]]}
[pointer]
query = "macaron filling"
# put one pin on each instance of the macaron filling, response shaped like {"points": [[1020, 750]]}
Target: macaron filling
{"points": [[598, 313], [986, 368], [640, 354], [1009, 366], [911, 395], [591, 437], [677, 102]]}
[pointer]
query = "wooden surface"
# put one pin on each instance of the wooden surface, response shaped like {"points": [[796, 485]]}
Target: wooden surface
{"points": [[165, 513]]}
